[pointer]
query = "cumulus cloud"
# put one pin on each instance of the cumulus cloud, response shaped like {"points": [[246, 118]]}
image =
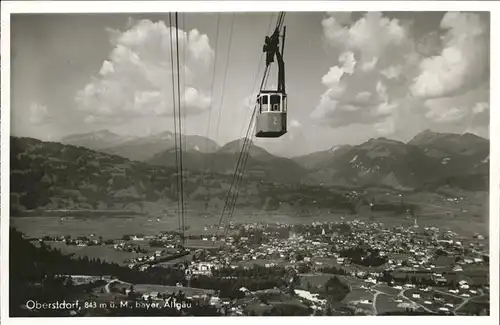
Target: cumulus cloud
{"points": [[463, 61], [384, 77], [295, 124], [470, 108], [374, 52], [38, 114], [250, 101], [136, 79]]}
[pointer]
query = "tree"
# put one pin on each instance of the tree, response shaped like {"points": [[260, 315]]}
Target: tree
{"points": [[69, 281], [328, 311]]}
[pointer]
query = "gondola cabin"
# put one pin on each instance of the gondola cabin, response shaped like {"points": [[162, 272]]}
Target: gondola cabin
{"points": [[271, 117]]}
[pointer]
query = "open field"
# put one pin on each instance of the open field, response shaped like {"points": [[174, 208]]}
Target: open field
{"points": [[385, 303], [148, 288], [116, 226], [358, 294], [449, 301], [473, 307], [422, 295], [103, 252], [184, 258], [107, 227], [353, 282], [314, 280], [258, 308], [109, 254], [384, 288], [448, 297], [468, 216]]}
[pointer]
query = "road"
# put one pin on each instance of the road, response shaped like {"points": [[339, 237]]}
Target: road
{"points": [[401, 294], [464, 300], [374, 303], [106, 287]]}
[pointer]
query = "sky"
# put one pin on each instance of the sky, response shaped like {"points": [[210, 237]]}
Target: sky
{"points": [[349, 76]]}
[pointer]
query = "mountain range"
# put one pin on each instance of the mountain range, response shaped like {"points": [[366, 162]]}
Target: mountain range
{"points": [[139, 148], [51, 176], [54, 175], [427, 158]]}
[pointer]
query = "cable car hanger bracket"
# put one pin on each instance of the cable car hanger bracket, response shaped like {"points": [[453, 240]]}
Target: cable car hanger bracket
{"points": [[271, 48]]}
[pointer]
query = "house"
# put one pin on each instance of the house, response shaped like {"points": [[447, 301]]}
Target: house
{"points": [[203, 268]]}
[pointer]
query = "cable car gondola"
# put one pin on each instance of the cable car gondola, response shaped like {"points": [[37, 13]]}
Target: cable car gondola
{"points": [[272, 104]]}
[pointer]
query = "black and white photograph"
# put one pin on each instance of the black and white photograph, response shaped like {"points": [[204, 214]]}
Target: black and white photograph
{"points": [[245, 161]]}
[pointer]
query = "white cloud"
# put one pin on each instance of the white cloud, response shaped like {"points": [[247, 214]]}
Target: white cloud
{"points": [[295, 124], [443, 114], [90, 119], [38, 114], [385, 78], [480, 108], [136, 80], [250, 101], [385, 127], [470, 108], [372, 50], [462, 63]]}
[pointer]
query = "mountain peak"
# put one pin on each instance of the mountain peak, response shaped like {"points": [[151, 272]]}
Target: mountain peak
{"points": [[472, 136], [382, 141], [428, 131], [94, 140], [427, 136], [103, 132], [236, 146], [424, 137]]}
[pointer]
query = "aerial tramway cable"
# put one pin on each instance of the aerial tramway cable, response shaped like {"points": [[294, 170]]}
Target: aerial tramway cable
{"points": [[243, 156], [180, 130], [204, 172], [249, 140], [171, 34], [224, 79], [176, 98]]}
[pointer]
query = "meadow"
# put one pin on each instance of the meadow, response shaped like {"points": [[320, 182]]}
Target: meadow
{"points": [[113, 227], [103, 252], [385, 303]]}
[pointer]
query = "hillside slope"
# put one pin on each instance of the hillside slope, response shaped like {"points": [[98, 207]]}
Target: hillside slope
{"points": [[144, 148], [259, 164], [49, 175], [429, 158]]}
